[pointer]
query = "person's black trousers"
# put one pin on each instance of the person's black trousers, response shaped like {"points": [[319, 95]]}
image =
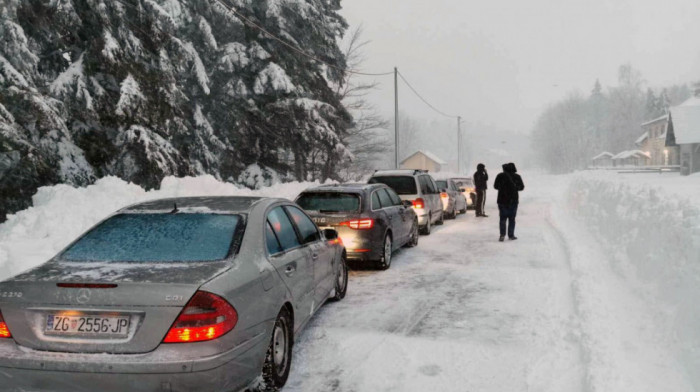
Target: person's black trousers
{"points": [[480, 201], [508, 213]]}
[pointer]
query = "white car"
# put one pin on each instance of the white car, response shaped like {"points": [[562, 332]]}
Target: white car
{"points": [[453, 200], [418, 187], [469, 190]]}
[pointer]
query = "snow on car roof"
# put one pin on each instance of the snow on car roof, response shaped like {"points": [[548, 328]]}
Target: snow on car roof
{"points": [[197, 204]]}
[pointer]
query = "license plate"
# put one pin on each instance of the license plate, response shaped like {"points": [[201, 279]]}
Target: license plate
{"points": [[87, 326]]}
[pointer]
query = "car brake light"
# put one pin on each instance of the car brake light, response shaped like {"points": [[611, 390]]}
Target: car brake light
{"points": [[205, 317], [419, 203], [359, 224], [4, 331], [444, 195]]}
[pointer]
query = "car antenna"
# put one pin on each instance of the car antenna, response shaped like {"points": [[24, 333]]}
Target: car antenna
{"points": [[175, 210]]}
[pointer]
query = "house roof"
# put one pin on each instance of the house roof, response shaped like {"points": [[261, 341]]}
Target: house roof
{"points": [[664, 117], [603, 154], [642, 138], [632, 153], [428, 154], [686, 121]]}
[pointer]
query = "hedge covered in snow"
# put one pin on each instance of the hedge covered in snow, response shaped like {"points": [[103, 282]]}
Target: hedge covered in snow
{"points": [[652, 237]]}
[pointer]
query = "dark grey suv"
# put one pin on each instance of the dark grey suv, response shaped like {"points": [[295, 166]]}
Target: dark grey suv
{"points": [[371, 219]]}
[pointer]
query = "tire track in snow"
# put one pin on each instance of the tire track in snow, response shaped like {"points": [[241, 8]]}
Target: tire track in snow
{"points": [[560, 248]]}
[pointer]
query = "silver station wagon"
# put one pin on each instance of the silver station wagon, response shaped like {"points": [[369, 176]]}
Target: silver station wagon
{"points": [[189, 294]]}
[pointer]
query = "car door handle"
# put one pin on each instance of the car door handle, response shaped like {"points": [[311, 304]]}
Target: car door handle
{"points": [[314, 257], [290, 270]]}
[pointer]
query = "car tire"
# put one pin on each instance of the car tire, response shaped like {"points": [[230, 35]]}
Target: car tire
{"points": [[428, 227], [278, 359], [440, 221], [453, 214], [387, 253], [341, 281], [464, 211], [413, 240]]}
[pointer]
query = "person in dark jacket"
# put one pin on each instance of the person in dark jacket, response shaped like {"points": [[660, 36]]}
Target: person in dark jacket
{"points": [[481, 177], [508, 183]]}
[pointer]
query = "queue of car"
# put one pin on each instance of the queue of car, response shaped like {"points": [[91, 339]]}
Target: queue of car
{"points": [[205, 293]]}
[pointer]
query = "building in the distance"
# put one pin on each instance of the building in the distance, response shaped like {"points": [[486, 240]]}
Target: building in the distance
{"points": [[631, 158], [684, 133], [423, 160], [602, 160], [654, 142]]}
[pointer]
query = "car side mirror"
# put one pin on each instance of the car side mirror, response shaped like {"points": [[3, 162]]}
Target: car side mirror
{"points": [[462, 190], [330, 234], [407, 203]]}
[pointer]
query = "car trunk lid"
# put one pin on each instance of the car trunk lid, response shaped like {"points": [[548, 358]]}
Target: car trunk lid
{"points": [[58, 309]]}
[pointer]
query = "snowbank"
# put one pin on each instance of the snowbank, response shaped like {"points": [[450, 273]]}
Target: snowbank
{"points": [[650, 230], [62, 212]]}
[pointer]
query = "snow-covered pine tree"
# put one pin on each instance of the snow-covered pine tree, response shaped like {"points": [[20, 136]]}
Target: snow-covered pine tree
{"points": [[143, 89]]}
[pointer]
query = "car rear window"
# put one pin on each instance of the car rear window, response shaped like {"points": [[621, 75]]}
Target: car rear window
{"points": [[403, 185], [329, 202], [464, 182], [157, 238]]}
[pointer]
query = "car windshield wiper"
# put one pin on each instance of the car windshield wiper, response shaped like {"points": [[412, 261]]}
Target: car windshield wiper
{"points": [[329, 211]]}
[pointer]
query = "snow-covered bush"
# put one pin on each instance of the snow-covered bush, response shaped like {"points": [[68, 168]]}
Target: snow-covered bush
{"points": [[653, 238]]}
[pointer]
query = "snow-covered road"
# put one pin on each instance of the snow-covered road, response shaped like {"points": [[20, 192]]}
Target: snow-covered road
{"points": [[461, 312], [464, 312]]}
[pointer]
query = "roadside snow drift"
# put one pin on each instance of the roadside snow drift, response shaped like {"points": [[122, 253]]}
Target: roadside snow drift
{"points": [[62, 212], [651, 236]]}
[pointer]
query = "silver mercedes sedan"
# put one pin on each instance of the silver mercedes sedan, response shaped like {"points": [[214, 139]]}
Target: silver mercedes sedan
{"points": [[188, 294]]}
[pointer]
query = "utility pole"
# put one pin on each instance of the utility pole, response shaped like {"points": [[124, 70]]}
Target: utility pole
{"points": [[459, 144], [396, 117]]}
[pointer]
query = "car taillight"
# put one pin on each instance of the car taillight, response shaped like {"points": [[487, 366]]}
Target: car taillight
{"points": [[359, 224], [444, 195], [4, 331], [419, 203], [205, 317]]}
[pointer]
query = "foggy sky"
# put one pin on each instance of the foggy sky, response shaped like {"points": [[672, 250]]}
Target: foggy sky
{"points": [[502, 62]]}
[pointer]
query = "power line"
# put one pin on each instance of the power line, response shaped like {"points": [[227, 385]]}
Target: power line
{"points": [[294, 48], [424, 100]]}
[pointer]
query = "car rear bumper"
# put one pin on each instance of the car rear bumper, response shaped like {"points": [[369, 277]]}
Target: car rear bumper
{"points": [[167, 369], [362, 245]]}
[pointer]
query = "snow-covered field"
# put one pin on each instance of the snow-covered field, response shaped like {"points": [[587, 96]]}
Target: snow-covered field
{"points": [[598, 294]]}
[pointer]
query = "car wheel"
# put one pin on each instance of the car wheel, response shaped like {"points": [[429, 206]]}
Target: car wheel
{"points": [[385, 263], [464, 211], [427, 228], [442, 219], [413, 241], [453, 214], [279, 354], [341, 281]]}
